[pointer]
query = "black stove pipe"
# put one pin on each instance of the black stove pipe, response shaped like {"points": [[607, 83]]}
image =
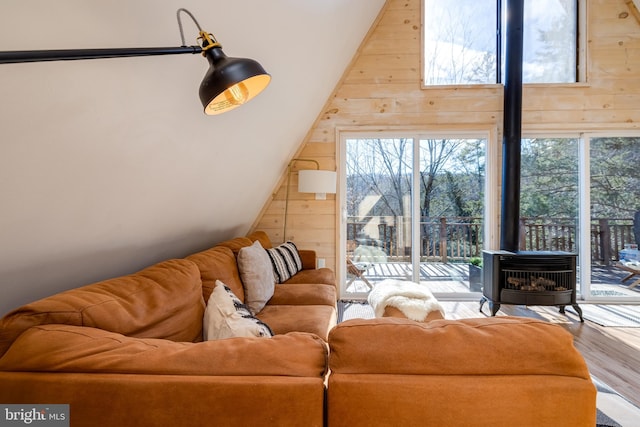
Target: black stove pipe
{"points": [[512, 128]]}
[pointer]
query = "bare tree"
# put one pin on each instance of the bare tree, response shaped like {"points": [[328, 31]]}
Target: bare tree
{"points": [[435, 154], [379, 180]]}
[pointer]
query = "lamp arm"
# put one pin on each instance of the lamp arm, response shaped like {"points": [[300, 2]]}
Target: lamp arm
{"points": [[208, 40], [180, 23], [19, 56], [303, 160]]}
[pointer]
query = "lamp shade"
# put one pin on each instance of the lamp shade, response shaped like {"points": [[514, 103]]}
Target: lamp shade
{"points": [[316, 181], [230, 82]]}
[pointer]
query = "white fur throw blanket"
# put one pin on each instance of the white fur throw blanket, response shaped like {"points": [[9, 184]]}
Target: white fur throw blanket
{"points": [[414, 300]]}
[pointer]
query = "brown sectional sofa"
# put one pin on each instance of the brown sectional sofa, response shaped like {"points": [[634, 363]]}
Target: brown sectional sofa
{"points": [[129, 351]]}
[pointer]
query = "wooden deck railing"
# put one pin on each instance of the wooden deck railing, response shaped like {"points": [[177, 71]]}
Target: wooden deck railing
{"points": [[447, 239]]}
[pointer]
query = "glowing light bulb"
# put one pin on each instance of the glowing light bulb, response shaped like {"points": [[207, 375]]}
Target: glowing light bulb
{"points": [[237, 94]]}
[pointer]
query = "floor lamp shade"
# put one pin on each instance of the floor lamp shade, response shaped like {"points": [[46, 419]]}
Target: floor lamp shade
{"points": [[316, 181]]}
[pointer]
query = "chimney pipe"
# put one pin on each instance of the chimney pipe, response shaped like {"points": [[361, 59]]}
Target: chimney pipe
{"points": [[512, 128]]}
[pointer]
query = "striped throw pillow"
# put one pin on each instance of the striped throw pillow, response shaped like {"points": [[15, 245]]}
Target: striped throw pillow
{"points": [[285, 260]]}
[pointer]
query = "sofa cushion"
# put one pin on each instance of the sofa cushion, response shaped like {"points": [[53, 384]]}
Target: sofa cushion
{"points": [[161, 301], [315, 319], [320, 275], [484, 346], [227, 317], [77, 349], [304, 294], [218, 263], [285, 260], [257, 277]]}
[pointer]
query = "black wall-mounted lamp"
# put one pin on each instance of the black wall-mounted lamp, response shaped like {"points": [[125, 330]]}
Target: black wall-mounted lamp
{"points": [[227, 84]]}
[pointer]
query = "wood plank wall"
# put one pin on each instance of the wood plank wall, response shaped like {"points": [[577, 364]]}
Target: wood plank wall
{"points": [[381, 89]]}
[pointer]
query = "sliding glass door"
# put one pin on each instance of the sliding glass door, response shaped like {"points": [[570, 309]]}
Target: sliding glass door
{"points": [[581, 194], [378, 215], [412, 209], [614, 217], [451, 181]]}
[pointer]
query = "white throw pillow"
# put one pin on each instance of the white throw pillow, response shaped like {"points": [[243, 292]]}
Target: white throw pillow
{"points": [[286, 261], [257, 277], [226, 317]]}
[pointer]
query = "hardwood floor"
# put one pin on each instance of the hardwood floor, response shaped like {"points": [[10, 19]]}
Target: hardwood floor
{"points": [[612, 354]]}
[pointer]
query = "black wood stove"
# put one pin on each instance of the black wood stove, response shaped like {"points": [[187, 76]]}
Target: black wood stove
{"points": [[529, 278]]}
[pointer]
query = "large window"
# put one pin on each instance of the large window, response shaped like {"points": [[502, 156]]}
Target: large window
{"points": [[414, 205], [614, 215], [581, 194], [461, 41]]}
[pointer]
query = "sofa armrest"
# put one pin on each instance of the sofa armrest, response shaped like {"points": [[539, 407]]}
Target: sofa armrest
{"points": [[63, 348], [308, 258], [485, 346]]}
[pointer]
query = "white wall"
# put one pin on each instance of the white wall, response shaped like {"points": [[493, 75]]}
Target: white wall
{"points": [[107, 166]]}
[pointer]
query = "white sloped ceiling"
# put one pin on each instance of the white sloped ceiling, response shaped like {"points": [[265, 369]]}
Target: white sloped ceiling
{"points": [[107, 166]]}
